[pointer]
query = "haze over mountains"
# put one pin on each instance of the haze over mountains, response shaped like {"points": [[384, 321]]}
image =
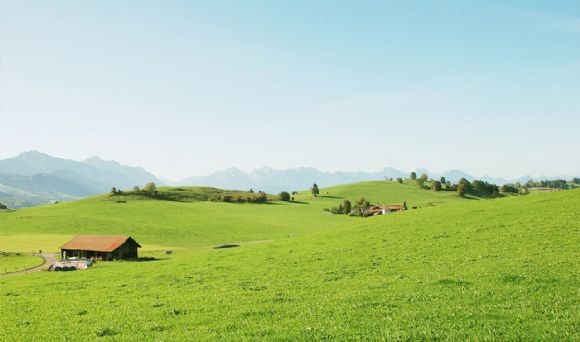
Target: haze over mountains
{"points": [[34, 178]]}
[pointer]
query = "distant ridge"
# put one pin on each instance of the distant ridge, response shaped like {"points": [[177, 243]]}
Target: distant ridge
{"points": [[34, 178]]}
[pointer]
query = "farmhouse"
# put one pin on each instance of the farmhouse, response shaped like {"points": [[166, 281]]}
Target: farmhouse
{"points": [[386, 209], [383, 209], [100, 247]]}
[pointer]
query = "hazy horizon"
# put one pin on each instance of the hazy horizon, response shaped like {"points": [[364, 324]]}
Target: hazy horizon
{"points": [[257, 168], [184, 89]]}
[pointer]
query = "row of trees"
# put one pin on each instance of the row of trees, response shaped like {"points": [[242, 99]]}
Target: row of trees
{"points": [[149, 188], [262, 197], [463, 187], [346, 207], [554, 183]]}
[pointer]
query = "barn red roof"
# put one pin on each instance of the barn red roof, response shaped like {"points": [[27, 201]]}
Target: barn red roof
{"points": [[97, 243]]}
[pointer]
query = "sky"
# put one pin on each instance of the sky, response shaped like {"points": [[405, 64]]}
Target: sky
{"points": [[184, 88]]}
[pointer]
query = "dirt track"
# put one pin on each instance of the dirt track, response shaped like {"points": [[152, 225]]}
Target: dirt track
{"points": [[49, 259]]}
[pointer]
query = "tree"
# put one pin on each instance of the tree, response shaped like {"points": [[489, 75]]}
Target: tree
{"points": [[420, 182], [315, 190], [494, 194], [284, 196], [461, 189], [251, 191], [576, 180], [436, 186], [262, 197], [150, 187], [404, 205], [448, 185], [424, 177], [413, 175], [136, 188], [400, 180], [347, 206], [443, 180], [113, 190], [524, 191], [2, 206]]}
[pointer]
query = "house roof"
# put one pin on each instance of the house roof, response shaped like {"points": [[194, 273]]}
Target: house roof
{"points": [[392, 206], [97, 243]]}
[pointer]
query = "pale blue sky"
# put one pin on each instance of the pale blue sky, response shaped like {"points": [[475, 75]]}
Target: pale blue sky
{"points": [[186, 88]]}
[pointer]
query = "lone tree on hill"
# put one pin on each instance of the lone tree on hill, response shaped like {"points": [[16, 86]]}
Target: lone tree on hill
{"points": [[150, 187], [347, 206], [315, 190], [413, 175], [284, 196]]}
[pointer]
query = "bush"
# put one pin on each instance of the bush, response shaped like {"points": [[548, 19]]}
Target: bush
{"points": [[262, 198], [509, 188], [400, 180], [150, 187], [284, 196], [347, 206], [436, 186]]}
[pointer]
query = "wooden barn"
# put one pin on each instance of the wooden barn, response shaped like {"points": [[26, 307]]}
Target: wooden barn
{"points": [[100, 247]]}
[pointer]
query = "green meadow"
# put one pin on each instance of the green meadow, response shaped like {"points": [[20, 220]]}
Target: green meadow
{"points": [[453, 269], [16, 262]]}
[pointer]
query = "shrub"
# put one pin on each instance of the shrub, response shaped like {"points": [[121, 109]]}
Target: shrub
{"points": [[284, 196], [347, 206], [436, 186], [262, 197], [399, 180], [315, 190], [150, 187]]}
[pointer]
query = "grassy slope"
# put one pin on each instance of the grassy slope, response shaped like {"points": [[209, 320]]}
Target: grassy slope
{"points": [[196, 224], [13, 262], [501, 269]]}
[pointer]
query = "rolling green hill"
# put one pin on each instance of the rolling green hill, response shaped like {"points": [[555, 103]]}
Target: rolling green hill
{"points": [[463, 269], [182, 217]]}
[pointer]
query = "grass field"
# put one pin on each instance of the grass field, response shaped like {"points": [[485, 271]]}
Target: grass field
{"points": [[462, 269], [17, 262], [195, 224]]}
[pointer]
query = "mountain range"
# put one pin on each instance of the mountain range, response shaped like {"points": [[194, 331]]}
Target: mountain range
{"points": [[34, 178]]}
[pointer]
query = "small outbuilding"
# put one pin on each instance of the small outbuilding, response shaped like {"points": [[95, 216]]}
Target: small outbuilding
{"points": [[100, 247]]}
